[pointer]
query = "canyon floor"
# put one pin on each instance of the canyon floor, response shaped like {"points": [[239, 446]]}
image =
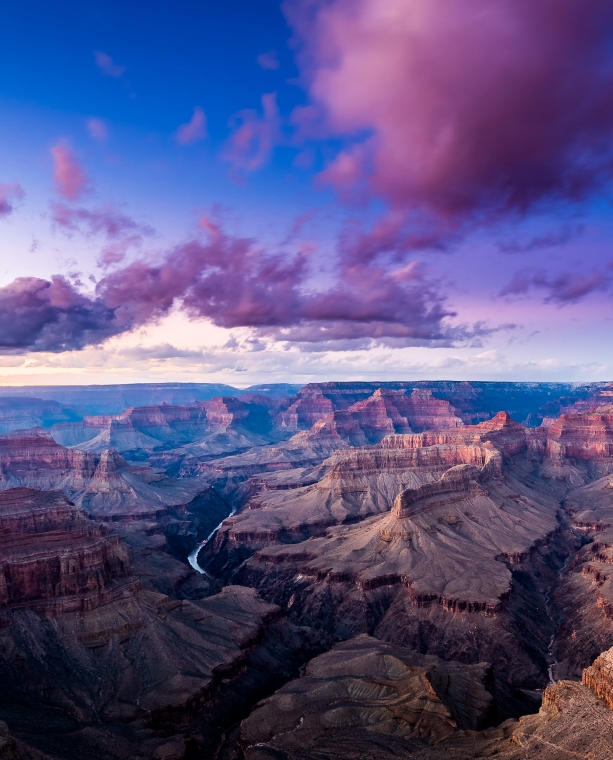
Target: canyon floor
{"points": [[341, 571]]}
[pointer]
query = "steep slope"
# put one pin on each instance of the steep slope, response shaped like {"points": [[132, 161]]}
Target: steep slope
{"points": [[209, 428], [53, 559], [351, 485], [572, 723], [368, 683], [182, 512], [472, 401], [579, 446], [93, 665], [32, 458], [18, 413], [418, 411]]}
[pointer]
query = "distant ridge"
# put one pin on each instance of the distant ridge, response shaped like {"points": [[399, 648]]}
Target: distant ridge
{"points": [[113, 399]]}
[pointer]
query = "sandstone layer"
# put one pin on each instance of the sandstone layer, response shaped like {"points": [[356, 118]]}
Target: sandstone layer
{"points": [[355, 484], [368, 684], [53, 558], [368, 703]]}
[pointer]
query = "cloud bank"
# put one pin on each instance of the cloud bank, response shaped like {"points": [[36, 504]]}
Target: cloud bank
{"points": [[233, 283], [458, 113]]}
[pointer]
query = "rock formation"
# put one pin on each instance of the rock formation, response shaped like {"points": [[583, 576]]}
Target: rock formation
{"points": [[366, 699], [460, 566], [80, 639], [53, 559], [32, 458], [368, 684], [20, 413], [206, 429], [355, 484]]}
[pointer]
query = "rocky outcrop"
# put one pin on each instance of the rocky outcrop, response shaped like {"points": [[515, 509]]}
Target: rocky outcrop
{"points": [[53, 559], [386, 411], [468, 530], [354, 484], [209, 428], [366, 684], [144, 676], [33, 459], [365, 720], [106, 486], [599, 677], [471, 401], [579, 446]]}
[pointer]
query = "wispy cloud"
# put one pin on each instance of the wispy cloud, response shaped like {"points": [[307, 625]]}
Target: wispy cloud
{"points": [[254, 136], [106, 65], [70, 179], [98, 129], [268, 61], [563, 288], [194, 130], [9, 194]]}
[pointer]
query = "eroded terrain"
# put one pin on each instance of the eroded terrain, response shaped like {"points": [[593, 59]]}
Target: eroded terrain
{"points": [[359, 570]]}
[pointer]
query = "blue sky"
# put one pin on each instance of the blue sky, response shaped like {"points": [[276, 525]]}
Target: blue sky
{"points": [[285, 124]]}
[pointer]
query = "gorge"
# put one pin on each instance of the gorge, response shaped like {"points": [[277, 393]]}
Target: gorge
{"points": [[358, 570]]}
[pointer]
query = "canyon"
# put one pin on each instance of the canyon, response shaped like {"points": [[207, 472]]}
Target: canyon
{"points": [[338, 571]]}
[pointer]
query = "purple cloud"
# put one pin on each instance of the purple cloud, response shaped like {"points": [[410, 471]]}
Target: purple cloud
{"points": [[460, 113], [9, 193], [268, 61], [38, 315], [194, 130], [106, 220], [233, 282], [106, 65], [250, 145], [564, 288], [70, 179]]}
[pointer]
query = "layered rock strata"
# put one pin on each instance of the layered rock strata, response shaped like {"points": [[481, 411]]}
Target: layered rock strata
{"points": [[141, 673], [468, 530], [355, 484], [579, 446], [53, 558], [366, 684], [34, 459], [209, 428], [364, 715]]}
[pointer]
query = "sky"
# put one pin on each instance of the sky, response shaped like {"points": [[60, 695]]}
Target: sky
{"points": [[305, 190]]}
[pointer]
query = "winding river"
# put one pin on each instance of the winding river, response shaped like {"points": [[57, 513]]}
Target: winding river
{"points": [[193, 555]]}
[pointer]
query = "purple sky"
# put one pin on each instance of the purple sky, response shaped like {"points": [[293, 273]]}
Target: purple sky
{"points": [[306, 190]]}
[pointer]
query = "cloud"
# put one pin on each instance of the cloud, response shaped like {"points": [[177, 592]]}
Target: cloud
{"points": [[547, 240], [564, 288], [233, 283], [106, 65], [458, 113], [9, 193], [70, 179], [268, 61], [41, 315], [250, 145], [194, 130], [98, 129], [106, 220]]}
